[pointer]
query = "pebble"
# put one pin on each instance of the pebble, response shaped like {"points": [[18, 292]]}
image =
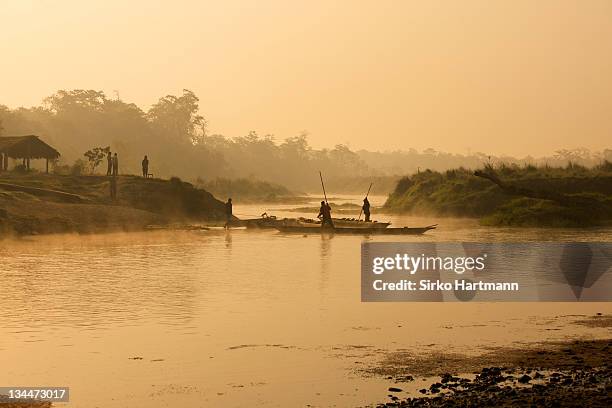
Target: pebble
{"points": [[524, 379]]}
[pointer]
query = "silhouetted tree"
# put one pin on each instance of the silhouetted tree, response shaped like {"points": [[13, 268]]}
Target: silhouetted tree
{"points": [[177, 118], [95, 157]]}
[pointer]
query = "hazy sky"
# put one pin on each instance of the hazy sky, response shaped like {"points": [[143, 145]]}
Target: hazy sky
{"points": [[512, 77]]}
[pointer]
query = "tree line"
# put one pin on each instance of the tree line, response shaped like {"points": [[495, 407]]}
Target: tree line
{"points": [[174, 135]]}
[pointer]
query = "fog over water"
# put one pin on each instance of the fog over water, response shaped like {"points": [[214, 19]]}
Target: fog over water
{"points": [[238, 317]]}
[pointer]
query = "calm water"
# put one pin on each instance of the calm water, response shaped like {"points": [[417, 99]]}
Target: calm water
{"points": [[236, 318]]}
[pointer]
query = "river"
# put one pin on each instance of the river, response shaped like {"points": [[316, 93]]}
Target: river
{"points": [[238, 318]]}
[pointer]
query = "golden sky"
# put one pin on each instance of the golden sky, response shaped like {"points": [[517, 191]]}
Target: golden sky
{"points": [[515, 77]]}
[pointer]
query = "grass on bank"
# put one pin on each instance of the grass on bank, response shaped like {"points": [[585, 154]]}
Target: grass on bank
{"points": [[460, 193]]}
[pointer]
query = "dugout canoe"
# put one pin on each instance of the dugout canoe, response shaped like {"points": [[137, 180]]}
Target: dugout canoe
{"points": [[356, 231], [342, 223], [273, 222]]}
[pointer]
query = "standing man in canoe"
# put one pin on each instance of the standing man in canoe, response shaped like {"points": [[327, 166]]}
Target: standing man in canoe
{"points": [[366, 209], [228, 213], [325, 215]]}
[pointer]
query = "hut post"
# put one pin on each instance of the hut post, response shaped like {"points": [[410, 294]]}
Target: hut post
{"points": [[47, 166], [1, 162]]}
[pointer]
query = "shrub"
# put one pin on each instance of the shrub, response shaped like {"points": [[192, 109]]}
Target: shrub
{"points": [[78, 167]]}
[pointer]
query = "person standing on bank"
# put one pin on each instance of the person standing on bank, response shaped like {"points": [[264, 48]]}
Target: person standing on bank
{"points": [[145, 167], [109, 159], [115, 165], [366, 209], [228, 213]]}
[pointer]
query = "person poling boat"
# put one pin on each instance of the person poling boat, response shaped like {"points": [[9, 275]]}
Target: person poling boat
{"points": [[325, 215], [325, 210], [365, 208]]}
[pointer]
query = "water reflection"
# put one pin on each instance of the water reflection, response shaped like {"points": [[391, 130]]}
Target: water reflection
{"points": [[228, 239], [325, 243], [84, 282]]}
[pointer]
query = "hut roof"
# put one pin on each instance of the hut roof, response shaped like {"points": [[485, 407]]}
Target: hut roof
{"points": [[19, 147]]}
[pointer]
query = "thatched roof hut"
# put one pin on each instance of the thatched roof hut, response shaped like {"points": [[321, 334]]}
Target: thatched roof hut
{"points": [[27, 147]]}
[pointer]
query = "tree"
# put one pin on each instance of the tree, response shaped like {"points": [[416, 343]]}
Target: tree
{"points": [[77, 99], [177, 118], [95, 156]]}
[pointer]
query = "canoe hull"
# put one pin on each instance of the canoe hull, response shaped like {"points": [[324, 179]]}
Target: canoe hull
{"points": [[356, 231]]}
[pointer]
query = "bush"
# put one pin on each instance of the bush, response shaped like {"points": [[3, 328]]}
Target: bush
{"points": [[78, 168]]}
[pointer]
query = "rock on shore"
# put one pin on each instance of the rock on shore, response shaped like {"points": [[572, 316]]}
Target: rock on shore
{"points": [[575, 375]]}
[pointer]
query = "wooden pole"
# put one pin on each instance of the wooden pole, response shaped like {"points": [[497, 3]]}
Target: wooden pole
{"points": [[47, 166], [366, 196], [323, 185]]}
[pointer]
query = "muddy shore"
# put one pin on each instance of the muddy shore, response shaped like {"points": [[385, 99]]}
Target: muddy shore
{"points": [[37, 404], [576, 373]]}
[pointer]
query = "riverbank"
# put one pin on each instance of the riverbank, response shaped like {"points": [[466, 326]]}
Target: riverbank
{"points": [[528, 196], [36, 203], [573, 374], [35, 404]]}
